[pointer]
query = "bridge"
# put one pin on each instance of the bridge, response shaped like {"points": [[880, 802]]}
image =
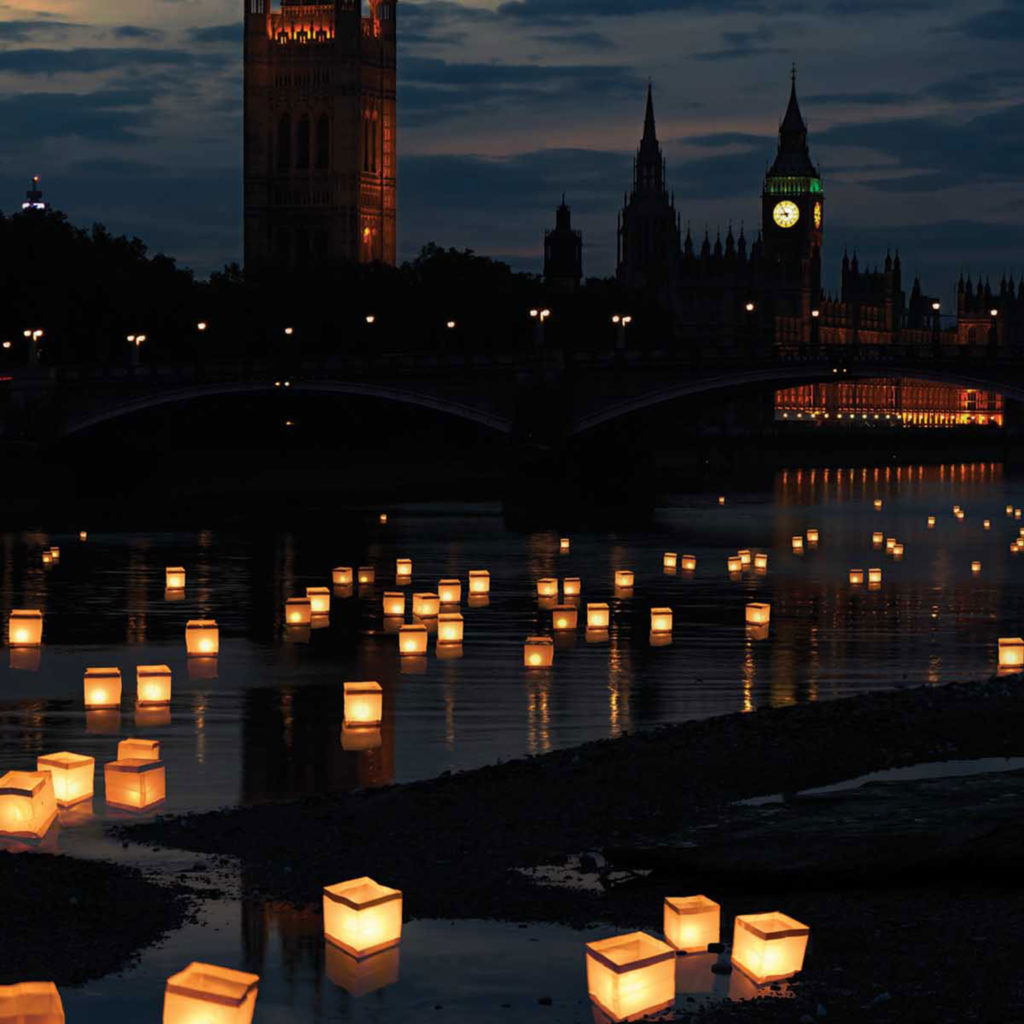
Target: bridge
{"points": [[541, 397]]}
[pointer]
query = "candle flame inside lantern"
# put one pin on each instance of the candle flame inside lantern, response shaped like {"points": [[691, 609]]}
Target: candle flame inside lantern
{"points": [[769, 947], [174, 578], [341, 576], [1011, 653], [364, 703], [669, 560], [102, 687], [661, 620], [688, 563], [479, 581], [25, 628], [598, 615], [624, 578], [412, 640], [571, 586], [856, 576], [538, 652], [202, 636], [547, 587]]}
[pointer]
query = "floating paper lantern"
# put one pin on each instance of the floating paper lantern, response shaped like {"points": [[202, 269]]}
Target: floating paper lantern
{"points": [[745, 557], [449, 628], [688, 563], [878, 504], [538, 652], [412, 640], [670, 560], [479, 582], [563, 617], [449, 591], [877, 539], [72, 776], [153, 684], [403, 568], [897, 550], [733, 563], [136, 749], [798, 545], [102, 687], [975, 566], [769, 947], [856, 576], [571, 586], [31, 1002], [207, 994], [28, 804], [956, 508], [931, 522], [692, 923], [83, 535], [959, 513], [890, 543], [812, 536], [986, 524], [563, 545], [758, 613], [47, 558], [366, 575], [721, 499], [319, 600], [1009, 510], [547, 587], [874, 575], [359, 976], [55, 553], [760, 561], [25, 628], [135, 784], [598, 615], [362, 917], [1016, 513], [394, 603], [364, 703], [174, 577], [631, 975], [298, 611], [624, 578], [1011, 653], [341, 576], [383, 518], [661, 620], [202, 636], [426, 605]]}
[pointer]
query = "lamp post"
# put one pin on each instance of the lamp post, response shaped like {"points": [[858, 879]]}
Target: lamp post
{"points": [[993, 331], [621, 322], [34, 334], [136, 342], [539, 316]]}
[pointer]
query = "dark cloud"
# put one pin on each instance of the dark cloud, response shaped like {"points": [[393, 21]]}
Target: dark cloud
{"points": [[595, 41], [85, 60], [879, 98], [571, 11], [137, 32], [230, 33], [21, 30], [1001, 24], [107, 115], [738, 53]]}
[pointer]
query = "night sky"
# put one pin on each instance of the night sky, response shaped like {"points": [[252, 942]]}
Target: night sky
{"points": [[131, 111]]}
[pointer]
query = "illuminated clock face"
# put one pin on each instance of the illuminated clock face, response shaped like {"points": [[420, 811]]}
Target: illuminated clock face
{"points": [[817, 215], [786, 214]]}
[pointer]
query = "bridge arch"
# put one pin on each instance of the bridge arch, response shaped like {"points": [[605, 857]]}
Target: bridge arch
{"points": [[75, 424], [781, 376]]}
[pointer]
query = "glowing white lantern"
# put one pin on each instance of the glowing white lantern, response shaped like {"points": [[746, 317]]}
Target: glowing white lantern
{"points": [[563, 617], [102, 687], [207, 994], [874, 575], [174, 577], [25, 628], [798, 545], [479, 581], [31, 1002], [412, 640], [598, 615], [670, 560], [538, 652], [366, 575], [631, 975], [563, 545], [856, 576], [319, 600], [691, 923], [403, 568], [135, 749], [202, 636], [624, 579], [364, 703], [688, 563], [47, 558], [547, 587], [877, 539], [745, 558], [298, 611], [769, 947], [72, 778], [975, 567], [28, 804], [760, 561], [878, 504], [362, 917], [341, 576], [986, 524], [812, 536], [931, 522], [135, 784], [733, 563], [449, 628], [449, 591], [661, 620], [1011, 653], [571, 586], [758, 613], [426, 605], [55, 553], [394, 603], [153, 684]]}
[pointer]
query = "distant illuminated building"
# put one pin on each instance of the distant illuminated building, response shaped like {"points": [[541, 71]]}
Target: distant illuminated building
{"points": [[34, 197], [899, 403]]}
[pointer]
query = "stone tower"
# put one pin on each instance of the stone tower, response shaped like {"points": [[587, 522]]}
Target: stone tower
{"points": [[320, 146], [563, 252]]}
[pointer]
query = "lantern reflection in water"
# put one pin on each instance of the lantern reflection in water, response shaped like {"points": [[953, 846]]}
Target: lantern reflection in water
{"points": [[624, 579], [563, 617], [571, 586], [1011, 654], [364, 703], [25, 628], [691, 923], [450, 627], [856, 576], [72, 776], [28, 804], [449, 591], [134, 784], [136, 749], [319, 600], [426, 605], [298, 611], [769, 947], [174, 577], [661, 620], [152, 684], [31, 1002], [688, 563], [394, 603], [102, 688], [412, 640], [207, 994], [598, 615], [202, 636], [359, 976], [361, 916], [479, 582], [341, 576], [538, 652], [630, 975], [103, 722], [547, 587]]}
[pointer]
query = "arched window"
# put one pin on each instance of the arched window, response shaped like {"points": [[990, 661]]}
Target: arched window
{"points": [[323, 143], [284, 143], [302, 144]]}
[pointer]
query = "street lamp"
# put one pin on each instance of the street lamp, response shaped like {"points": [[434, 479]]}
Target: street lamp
{"points": [[202, 325], [7, 344], [370, 319], [450, 325], [750, 307], [33, 334], [136, 341], [540, 314], [289, 331], [621, 321]]}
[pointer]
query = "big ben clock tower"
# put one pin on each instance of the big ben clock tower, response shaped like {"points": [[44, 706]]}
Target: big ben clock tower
{"points": [[792, 216]]}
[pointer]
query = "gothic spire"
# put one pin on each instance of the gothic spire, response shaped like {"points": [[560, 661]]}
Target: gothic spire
{"points": [[649, 172], [650, 135], [793, 157]]}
